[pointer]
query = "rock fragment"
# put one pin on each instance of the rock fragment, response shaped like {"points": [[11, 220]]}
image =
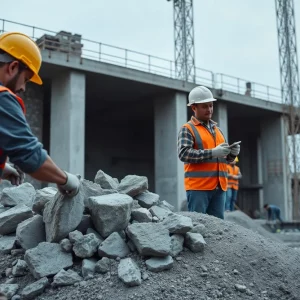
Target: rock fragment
{"points": [[66, 245], [133, 185], [240, 288], [199, 228], [147, 199], [195, 242], [75, 236], [103, 265], [86, 246], [88, 268], [141, 215], [9, 289], [64, 278], [20, 268], [129, 272], [99, 237], [158, 264], [42, 197], [159, 212], [177, 224], [7, 243], [105, 181], [85, 223], [35, 289], [177, 241], [166, 205]]}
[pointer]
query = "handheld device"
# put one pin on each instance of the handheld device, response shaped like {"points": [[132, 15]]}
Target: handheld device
{"points": [[236, 143]]}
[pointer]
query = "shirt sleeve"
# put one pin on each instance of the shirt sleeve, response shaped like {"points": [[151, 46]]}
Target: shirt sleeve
{"points": [[16, 138], [186, 152]]}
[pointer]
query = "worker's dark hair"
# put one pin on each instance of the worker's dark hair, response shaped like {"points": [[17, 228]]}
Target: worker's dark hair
{"points": [[22, 67], [266, 205]]}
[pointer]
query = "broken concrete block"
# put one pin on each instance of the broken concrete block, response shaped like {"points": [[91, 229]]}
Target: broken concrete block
{"points": [[16, 252], [141, 215], [31, 232], [66, 245], [10, 219], [129, 272], [99, 237], [22, 194], [199, 228], [47, 259], [113, 246], [105, 181], [87, 246], [147, 199], [177, 241], [177, 223], [103, 265], [75, 236], [4, 184], [88, 268], [110, 213], [86, 222], [42, 197], [133, 185], [158, 264], [35, 289], [150, 239], [9, 289], [20, 268], [7, 243], [195, 242], [159, 212], [3, 209], [65, 278], [166, 205]]}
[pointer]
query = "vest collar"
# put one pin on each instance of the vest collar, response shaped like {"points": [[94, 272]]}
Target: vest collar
{"points": [[196, 122]]}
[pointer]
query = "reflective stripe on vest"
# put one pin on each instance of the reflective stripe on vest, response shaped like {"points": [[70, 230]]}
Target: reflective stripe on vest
{"points": [[233, 183], [209, 173]]}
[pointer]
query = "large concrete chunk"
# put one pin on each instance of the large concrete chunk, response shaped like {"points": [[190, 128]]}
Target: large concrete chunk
{"points": [[9, 289], [42, 197], [158, 264], [4, 184], [129, 272], [22, 194], [86, 246], [7, 243], [141, 215], [159, 212], [133, 185], [177, 241], [64, 278], [150, 239], [10, 219], [177, 223], [105, 181], [47, 259], [195, 242], [114, 246], [166, 205], [110, 213], [35, 289], [147, 199], [31, 232]]}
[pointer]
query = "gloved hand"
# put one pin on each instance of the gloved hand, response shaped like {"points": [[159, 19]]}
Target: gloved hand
{"points": [[21, 173], [235, 150], [11, 174], [71, 187], [221, 150]]}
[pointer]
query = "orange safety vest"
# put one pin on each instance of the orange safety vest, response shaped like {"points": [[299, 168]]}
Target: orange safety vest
{"points": [[211, 172], [233, 183], [21, 102]]}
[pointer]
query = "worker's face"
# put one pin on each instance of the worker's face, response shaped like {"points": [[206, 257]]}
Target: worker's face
{"points": [[203, 111], [16, 78]]}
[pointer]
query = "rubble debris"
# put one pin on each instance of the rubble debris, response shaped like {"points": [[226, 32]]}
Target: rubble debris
{"points": [[99, 237], [158, 264], [86, 246], [42, 197], [66, 245], [147, 199], [177, 241], [7, 243], [177, 224], [133, 185], [9, 289], [106, 181], [199, 228], [35, 289], [159, 212], [20, 268], [164, 204], [141, 215], [75, 236], [88, 268], [64, 278], [195, 242], [103, 265], [129, 272], [85, 224]]}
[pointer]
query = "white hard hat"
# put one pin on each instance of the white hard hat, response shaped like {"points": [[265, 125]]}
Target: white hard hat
{"points": [[200, 94]]}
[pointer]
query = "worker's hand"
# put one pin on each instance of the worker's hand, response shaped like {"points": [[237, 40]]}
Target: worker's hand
{"points": [[235, 150], [71, 187], [11, 174], [221, 150], [21, 173]]}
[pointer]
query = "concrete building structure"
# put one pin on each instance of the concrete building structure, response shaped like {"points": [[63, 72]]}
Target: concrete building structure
{"points": [[92, 115]]}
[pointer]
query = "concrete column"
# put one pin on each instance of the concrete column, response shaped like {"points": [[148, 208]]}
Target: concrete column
{"points": [[170, 113], [67, 133], [260, 174], [220, 116], [276, 184]]}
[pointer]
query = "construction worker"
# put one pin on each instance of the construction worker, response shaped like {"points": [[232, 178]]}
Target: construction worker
{"points": [[205, 153], [20, 62], [273, 213], [234, 175]]}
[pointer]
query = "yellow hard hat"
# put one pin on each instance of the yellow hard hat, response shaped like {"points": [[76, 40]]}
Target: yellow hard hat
{"points": [[236, 159], [24, 49]]}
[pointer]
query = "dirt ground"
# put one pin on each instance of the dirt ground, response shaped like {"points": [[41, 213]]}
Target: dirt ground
{"points": [[233, 255]]}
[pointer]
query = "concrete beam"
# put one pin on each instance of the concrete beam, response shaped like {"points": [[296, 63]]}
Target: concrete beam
{"points": [[67, 133], [220, 116], [170, 113]]}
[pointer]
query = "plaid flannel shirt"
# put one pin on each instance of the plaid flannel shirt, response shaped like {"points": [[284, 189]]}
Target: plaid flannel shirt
{"points": [[185, 144]]}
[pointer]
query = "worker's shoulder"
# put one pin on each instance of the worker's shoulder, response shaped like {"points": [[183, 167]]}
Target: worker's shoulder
{"points": [[9, 101]]}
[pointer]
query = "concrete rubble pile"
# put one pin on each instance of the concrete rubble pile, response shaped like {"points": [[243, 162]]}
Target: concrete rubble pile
{"points": [[108, 220]]}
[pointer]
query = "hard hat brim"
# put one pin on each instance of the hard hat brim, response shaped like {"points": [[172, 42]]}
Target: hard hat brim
{"points": [[36, 79], [202, 101]]}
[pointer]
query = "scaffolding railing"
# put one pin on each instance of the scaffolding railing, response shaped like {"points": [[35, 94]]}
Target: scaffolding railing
{"points": [[127, 58]]}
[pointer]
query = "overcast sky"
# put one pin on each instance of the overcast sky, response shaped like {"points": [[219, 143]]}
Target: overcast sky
{"points": [[235, 37]]}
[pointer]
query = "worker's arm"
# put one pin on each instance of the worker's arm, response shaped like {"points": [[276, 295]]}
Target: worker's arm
{"points": [[239, 175]]}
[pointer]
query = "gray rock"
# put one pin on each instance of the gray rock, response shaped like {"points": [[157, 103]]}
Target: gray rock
{"points": [[159, 212], [150, 239], [110, 213], [7, 243], [16, 252], [64, 278], [47, 259], [75, 236], [240, 288], [199, 228], [20, 268], [135, 204], [42, 197], [3, 209], [88, 268], [11, 281], [22, 194], [86, 246], [103, 265], [133, 185], [114, 246], [35, 289], [122, 234], [8, 272], [10, 219], [166, 205], [16, 297], [129, 272], [105, 181], [4, 184], [141, 215], [31, 232], [155, 219], [147, 199], [177, 241], [66, 245], [195, 242], [131, 246], [177, 223], [85, 224], [9, 289], [99, 237], [158, 264]]}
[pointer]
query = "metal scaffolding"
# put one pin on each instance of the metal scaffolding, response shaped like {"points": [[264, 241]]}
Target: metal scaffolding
{"points": [[290, 90]]}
